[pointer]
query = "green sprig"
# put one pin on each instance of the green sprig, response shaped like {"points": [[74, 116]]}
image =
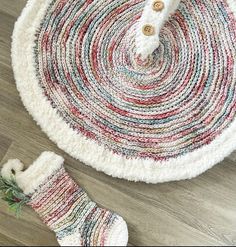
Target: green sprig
{"points": [[13, 195]]}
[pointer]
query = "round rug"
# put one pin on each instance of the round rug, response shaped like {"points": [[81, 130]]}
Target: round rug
{"points": [[173, 119]]}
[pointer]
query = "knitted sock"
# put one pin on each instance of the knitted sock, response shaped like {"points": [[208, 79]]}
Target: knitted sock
{"points": [[64, 206]]}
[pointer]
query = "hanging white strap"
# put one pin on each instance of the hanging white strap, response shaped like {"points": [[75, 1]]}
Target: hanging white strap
{"points": [[154, 15]]}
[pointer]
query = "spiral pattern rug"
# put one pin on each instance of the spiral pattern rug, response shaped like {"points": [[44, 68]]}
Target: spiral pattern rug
{"points": [[170, 120]]}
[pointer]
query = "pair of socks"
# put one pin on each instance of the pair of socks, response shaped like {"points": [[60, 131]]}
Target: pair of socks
{"points": [[64, 206]]}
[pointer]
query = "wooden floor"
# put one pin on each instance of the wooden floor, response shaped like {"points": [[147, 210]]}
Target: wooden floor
{"points": [[201, 211]]}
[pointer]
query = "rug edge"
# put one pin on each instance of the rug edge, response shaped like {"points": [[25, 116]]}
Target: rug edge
{"points": [[146, 170]]}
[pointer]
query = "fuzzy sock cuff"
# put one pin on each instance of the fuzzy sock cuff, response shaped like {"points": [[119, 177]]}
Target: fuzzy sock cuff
{"points": [[42, 168], [30, 179]]}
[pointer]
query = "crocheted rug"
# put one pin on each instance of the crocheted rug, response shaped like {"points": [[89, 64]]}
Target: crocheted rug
{"points": [[174, 119]]}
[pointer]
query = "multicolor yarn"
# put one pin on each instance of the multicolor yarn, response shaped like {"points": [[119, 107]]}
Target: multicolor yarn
{"points": [[68, 211], [183, 100], [61, 203]]}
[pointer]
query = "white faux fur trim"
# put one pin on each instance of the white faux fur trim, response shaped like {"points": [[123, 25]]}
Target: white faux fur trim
{"points": [[89, 152], [118, 235], [11, 168], [71, 240], [145, 45], [42, 168]]}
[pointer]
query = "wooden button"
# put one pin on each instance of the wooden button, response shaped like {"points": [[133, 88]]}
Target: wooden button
{"points": [[158, 5], [148, 30]]}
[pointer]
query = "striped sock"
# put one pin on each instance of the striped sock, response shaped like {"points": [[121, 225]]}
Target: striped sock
{"points": [[66, 208]]}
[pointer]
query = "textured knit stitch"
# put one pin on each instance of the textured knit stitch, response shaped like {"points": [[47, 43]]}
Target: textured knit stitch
{"points": [[67, 210], [82, 106], [62, 204], [85, 52]]}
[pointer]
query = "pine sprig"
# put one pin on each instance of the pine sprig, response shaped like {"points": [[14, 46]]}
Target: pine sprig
{"points": [[13, 195]]}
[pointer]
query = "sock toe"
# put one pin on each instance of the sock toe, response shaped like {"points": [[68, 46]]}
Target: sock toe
{"points": [[118, 234]]}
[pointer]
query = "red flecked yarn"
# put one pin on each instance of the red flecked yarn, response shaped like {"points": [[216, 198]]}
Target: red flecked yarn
{"points": [[84, 58]]}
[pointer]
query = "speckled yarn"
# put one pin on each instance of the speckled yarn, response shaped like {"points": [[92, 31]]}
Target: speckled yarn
{"points": [[63, 205], [84, 51], [68, 211]]}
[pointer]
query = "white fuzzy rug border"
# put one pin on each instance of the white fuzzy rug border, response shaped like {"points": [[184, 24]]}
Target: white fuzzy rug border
{"points": [[87, 151]]}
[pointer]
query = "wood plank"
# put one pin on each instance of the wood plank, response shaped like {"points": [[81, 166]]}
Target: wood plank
{"points": [[200, 211], [23, 232], [5, 241], [232, 156], [12, 7], [5, 143], [6, 28]]}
